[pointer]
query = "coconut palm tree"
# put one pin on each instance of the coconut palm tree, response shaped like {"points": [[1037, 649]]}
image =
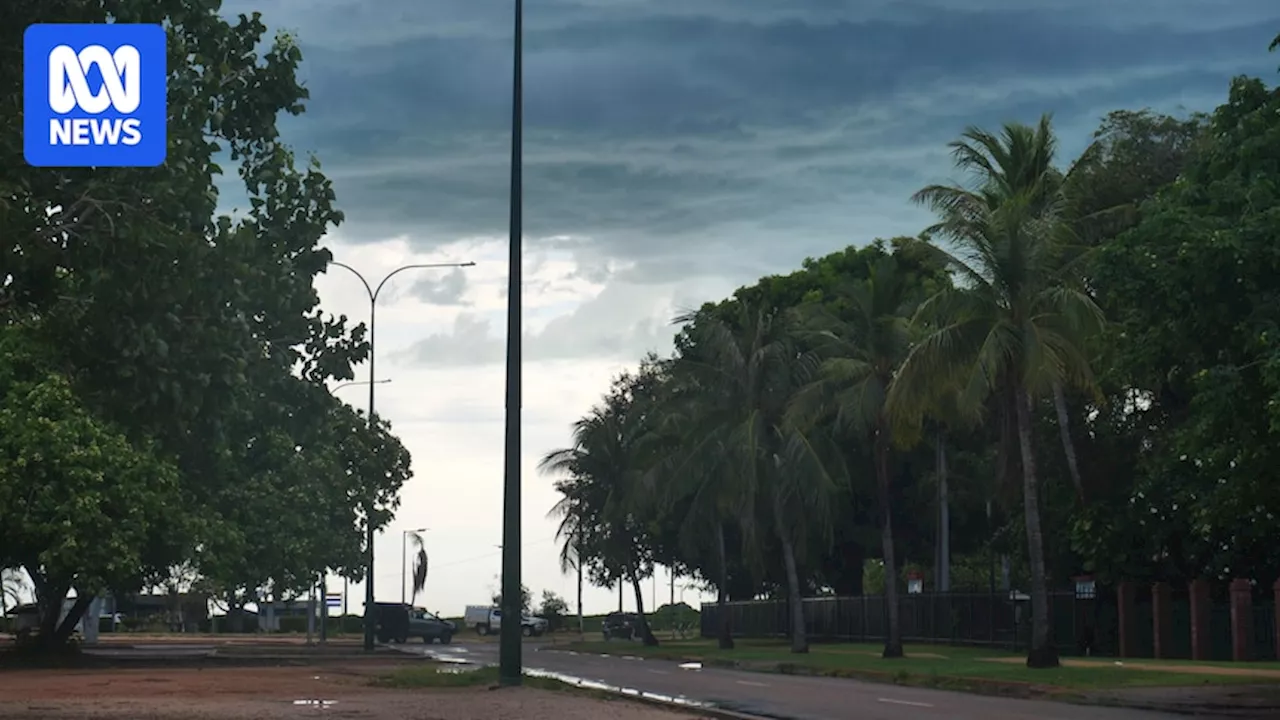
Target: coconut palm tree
{"points": [[1018, 163], [752, 363], [1013, 327], [420, 561], [863, 347], [604, 492], [570, 535], [695, 480]]}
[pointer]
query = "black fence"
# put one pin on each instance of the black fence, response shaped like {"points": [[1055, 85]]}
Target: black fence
{"points": [[1080, 624]]}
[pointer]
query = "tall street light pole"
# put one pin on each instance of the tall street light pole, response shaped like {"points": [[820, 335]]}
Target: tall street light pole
{"points": [[404, 556], [369, 617], [510, 672]]}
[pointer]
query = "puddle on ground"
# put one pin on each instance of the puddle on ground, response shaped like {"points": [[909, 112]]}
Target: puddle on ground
{"points": [[449, 659], [315, 703], [593, 685]]}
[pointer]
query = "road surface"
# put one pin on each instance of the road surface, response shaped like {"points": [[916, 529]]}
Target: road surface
{"points": [[784, 697]]}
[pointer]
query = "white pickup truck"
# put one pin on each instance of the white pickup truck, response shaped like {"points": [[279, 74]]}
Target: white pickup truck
{"points": [[485, 620]]}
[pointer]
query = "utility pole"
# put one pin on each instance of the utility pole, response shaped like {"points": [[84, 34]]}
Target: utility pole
{"points": [[510, 662]]}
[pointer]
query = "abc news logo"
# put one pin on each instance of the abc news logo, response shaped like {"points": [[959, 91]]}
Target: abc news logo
{"points": [[94, 95], [69, 89]]}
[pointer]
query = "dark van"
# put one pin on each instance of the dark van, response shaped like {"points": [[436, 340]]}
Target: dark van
{"points": [[398, 622]]}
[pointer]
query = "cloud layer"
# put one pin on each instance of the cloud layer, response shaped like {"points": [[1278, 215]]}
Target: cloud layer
{"points": [[675, 134], [674, 149]]}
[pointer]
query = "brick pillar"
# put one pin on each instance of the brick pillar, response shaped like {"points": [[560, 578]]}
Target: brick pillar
{"points": [[1161, 618], [1275, 588], [1125, 593], [1241, 620], [1200, 613]]}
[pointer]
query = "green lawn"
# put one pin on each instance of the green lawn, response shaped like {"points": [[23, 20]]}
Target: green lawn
{"points": [[938, 666]]}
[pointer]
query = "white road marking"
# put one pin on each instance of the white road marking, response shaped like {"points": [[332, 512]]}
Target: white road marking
{"points": [[903, 702], [753, 683]]}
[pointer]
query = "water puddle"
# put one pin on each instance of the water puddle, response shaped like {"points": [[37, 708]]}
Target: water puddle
{"points": [[315, 703], [593, 685], [458, 669]]}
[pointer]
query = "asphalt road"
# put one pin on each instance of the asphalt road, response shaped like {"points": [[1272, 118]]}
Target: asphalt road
{"points": [[786, 697]]}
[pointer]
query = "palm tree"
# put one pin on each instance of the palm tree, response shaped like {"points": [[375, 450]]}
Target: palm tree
{"points": [[1013, 328], [604, 493], [754, 367], [419, 580], [1016, 164], [696, 481], [570, 535], [864, 347]]}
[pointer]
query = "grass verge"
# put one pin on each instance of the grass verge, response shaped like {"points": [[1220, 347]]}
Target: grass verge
{"points": [[951, 668]]}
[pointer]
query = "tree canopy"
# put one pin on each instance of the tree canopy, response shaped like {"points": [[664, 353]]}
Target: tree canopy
{"points": [[163, 412], [1075, 367]]}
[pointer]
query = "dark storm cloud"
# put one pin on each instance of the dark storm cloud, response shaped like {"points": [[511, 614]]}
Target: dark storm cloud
{"points": [[687, 135]]}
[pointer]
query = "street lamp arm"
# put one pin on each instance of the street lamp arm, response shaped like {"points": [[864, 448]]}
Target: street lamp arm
{"points": [[336, 388], [373, 295], [356, 272]]}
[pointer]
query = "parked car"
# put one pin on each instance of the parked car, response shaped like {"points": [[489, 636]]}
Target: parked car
{"points": [[486, 620], [398, 622], [620, 625]]}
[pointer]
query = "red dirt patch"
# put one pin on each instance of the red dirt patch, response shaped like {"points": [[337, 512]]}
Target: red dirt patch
{"points": [[274, 693]]}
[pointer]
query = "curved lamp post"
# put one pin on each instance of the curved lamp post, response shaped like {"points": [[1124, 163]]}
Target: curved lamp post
{"points": [[373, 293]]}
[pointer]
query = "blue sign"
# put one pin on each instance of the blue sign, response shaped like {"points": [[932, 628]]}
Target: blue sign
{"points": [[94, 95]]}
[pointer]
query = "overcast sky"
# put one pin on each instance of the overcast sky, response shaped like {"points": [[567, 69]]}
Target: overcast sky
{"points": [[674, 150]]}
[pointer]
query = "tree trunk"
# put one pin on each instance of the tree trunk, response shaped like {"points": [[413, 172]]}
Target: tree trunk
{"points": [[68, 625], [646, 632], [944, 518], [1068, 445], [893, 629], [1042, 654], [582, 626], [799, 643], [722, 593]]}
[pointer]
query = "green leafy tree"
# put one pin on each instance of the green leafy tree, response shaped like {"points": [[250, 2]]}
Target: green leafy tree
{"points": [[78, 501]]}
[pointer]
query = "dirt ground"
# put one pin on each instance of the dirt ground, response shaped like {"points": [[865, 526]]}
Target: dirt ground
{"points": [[277, 693], [1241, 671]]}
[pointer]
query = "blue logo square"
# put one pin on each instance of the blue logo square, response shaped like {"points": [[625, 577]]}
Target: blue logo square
{"points": [[94, 95]]}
